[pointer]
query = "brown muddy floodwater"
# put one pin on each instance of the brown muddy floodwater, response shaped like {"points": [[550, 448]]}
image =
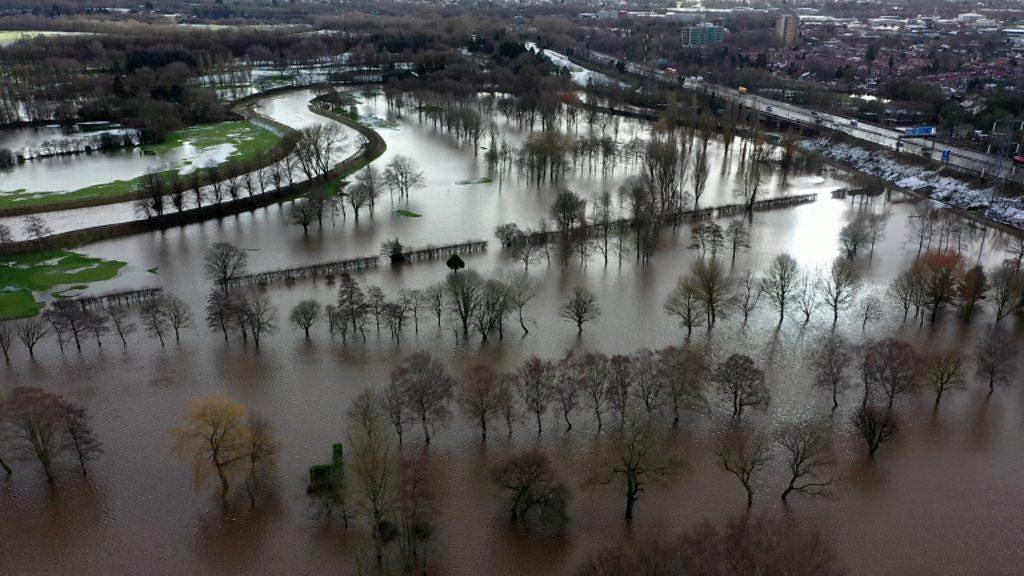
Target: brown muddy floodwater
{"points": [[943, 498]]}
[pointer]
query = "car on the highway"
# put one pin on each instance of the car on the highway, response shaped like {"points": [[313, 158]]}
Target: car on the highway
{"points": [[853, 123], [1018, 160], [768, 109]]}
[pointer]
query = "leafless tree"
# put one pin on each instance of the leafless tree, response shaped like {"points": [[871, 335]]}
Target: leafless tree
{"points": [[876, 426], [839, 287], [41, 424], [30, 331], [303, 212], [305, 315], [479, 395], [534, 386], [744, 452], [780, 283], [619, 390], [224, 262], [581, 308], [566, 378], [685, 303], [261, 455], [79, 437], [122, 324], [637, 461], [593, 374], [426, 390], [402, 176], [177, 313], [892, 367], [35, 227], [995, 358], [1007, 285], [258, 315], [521, 290], [749, 295], [830, 360], [741, 382], [647, 382], [807, 297], [738, 238], [463, 294], [945, 373], [809, 457], [7, 335], [685, 373], [532, 488], [712, 287]]}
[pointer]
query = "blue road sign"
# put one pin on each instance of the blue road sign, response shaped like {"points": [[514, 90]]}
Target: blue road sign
{"points": [[945, 155], [919, 132]]}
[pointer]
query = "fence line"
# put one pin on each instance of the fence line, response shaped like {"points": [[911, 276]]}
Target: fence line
{"points": [[120, 298], [335, 268]]}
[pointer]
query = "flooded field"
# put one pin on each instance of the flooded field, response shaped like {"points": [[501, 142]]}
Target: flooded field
{"points": [[943, 498]]}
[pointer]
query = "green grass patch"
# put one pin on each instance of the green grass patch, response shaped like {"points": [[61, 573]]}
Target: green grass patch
{"points": [[250, 141], [18, 304], [21, 276], [407, 213]]}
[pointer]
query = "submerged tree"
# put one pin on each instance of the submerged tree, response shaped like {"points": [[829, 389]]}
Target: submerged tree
{"points": [[533, 490], [876, 426], [809, 458], [741, 383], [426, 390], [581, 308], [744, 452], [215, 439]]}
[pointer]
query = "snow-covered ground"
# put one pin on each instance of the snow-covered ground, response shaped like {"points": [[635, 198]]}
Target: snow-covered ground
{"points": [[580, 75], [946, 189]]}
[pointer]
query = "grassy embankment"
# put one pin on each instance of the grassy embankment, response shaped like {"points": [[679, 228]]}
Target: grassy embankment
{"points": [[22, 276], [249, 139]]}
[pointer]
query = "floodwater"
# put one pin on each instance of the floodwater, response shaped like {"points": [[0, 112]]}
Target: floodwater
{"points": [[943, 498]]}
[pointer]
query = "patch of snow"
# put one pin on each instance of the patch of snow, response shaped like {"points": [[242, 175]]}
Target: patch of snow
{"points": [[946, 189]]}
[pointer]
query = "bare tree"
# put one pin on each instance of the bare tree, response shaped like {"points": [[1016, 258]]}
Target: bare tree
{"points": [[945, 373], [463, 294], [303, 212], [839, 287], [685, 303], [1007, 285], [521, 290], [7, 335], [79, 437], [593, 374], [258, 315], [532, 488], [830, 359], [122, 324], [581, 308], [741, 382], [177, 313], [876, 426], [224, 262], [479, 395], [891, 366], [154, 319], [637, 462], [744, 452], [426, 389], [261, 455], [35, 227], [534, 386], [995, 358], [738, 238], [685, 373], [809, 457], [30, 331], [710, 283], [780, 283], [305, 315], [401, 175]]}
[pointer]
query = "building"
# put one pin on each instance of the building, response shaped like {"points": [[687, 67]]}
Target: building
{"points": [[703, 34], [787, 28]]}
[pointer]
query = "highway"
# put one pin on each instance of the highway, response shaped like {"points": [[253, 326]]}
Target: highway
{"points": [[978, 163]]}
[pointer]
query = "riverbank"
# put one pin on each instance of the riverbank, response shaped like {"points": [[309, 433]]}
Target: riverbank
{"points": [[370, 150]]}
